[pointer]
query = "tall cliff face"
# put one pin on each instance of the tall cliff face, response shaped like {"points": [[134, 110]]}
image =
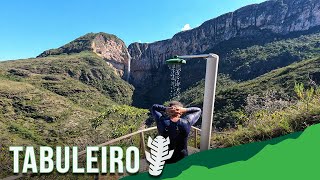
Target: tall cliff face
{"points": [[254, 23], [109, 47]]}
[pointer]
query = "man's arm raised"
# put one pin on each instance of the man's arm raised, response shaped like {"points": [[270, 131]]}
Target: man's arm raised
{"points": [[193, 114], [156, 111]]}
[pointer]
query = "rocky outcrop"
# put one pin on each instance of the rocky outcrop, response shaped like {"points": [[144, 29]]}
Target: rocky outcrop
{"points": [[109, 47], [276, 17]]}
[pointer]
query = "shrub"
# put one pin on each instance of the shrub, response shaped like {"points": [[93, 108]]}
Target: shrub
{"points": [[263, 123]]}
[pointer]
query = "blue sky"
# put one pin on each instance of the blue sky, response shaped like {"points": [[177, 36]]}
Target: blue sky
{"points": [[27, 28]]}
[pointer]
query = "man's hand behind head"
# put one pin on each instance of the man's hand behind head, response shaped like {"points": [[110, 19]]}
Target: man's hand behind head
{"points": [[175, 111]]}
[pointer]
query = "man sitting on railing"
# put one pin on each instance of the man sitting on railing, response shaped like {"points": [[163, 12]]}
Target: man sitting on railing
{"points": [[176, 125]]}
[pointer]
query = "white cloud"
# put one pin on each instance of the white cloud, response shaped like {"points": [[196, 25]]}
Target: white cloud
{"points": [[139, 41], [186, 27]]}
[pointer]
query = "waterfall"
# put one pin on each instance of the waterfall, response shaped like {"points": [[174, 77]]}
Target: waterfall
{"points": [[175, 70], [128, 68]]}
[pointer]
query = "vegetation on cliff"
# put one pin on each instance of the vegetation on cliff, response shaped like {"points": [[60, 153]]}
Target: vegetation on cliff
{"points": [[244, 64], [280, 102]]}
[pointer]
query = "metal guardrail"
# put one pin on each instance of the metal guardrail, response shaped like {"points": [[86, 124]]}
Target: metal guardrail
{"points": [[142, 146]]}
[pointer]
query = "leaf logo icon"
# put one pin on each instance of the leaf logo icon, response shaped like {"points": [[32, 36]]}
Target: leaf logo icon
{"points": [[159, 152]]}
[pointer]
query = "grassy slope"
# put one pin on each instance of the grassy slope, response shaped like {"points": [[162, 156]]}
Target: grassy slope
{"points": [[39, 116], [62, 90], [280, 79], [85, 67], [52, 100]]}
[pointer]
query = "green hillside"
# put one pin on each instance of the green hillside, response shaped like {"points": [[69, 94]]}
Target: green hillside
{"points": [[277, 103], [53, 72], [58, 100], [232, 97], [255, 60]]}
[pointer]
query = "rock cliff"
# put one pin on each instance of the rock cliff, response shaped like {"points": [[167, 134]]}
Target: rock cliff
{"points": [[257, 23]]}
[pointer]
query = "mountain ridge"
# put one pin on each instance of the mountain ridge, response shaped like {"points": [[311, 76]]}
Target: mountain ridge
{"points": [[107, 46]]}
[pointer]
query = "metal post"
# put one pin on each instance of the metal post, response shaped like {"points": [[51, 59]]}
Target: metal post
{"points": [[209, 98]]}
